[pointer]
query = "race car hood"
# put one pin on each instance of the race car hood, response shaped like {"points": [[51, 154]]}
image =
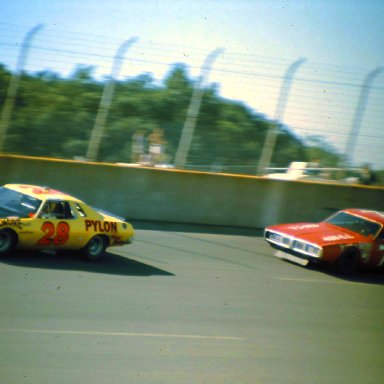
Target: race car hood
{"points": [[320, 233]]}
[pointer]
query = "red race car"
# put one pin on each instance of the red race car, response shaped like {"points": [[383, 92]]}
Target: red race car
{"points": [[348, 240]]}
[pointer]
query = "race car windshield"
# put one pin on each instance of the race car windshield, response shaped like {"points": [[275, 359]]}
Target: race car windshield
{"points": [[354, 223], [16, 204]]}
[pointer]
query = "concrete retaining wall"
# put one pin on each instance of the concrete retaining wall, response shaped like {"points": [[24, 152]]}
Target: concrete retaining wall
{"points": [[189, 197]]}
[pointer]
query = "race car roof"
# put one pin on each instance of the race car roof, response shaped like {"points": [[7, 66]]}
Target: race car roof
{"points": [[369, 214], [40, 192]]}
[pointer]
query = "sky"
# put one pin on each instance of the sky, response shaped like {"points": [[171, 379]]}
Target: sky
{"points": [[340, 40]]}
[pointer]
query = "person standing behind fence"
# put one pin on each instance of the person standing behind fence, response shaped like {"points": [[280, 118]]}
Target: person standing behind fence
{"points": [[138, 146], [156, 143], [367, 176]]}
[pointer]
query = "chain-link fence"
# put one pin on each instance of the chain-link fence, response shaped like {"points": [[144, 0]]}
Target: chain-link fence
{"points": [[214, 112]]}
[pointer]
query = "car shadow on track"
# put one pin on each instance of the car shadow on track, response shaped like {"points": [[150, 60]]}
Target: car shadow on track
{"points": [[110, 264], [362, 276]]}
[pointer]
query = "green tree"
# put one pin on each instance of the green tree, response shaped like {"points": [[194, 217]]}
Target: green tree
{"points": [[54, 116]]}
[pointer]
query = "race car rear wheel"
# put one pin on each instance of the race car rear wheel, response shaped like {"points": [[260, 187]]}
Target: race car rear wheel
{"points": [[8, 240], [347, 263], [95, 249]]}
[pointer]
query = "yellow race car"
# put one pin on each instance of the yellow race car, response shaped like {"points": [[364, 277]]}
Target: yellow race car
{"points": [[40, 218]]}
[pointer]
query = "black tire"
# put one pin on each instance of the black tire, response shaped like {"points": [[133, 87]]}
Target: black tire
{"points": [[95, 249], [347, 263], [8, 240]]}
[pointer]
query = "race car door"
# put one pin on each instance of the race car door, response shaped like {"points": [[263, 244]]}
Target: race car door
{"points": [[58, 225]]}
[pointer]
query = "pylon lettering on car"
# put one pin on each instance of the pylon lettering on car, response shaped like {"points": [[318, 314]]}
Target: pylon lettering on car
{"points": [[101, 226]]}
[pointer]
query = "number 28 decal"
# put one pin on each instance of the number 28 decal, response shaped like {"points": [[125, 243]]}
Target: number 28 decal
{"points": [[52, 235]]}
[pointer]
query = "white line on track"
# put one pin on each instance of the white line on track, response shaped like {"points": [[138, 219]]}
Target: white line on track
{"points": [[119, 334]]}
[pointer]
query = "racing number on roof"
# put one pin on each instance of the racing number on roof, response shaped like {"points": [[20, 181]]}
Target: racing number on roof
{"points": [[52, 235]]}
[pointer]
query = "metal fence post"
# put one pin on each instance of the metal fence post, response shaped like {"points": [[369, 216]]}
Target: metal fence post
{"points": [[193, 111], [9, 103], [270, 139], [359, 112], [105, 102]]}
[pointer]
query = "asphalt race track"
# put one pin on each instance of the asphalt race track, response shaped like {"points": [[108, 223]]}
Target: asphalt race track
{"points": [[187, 304]]}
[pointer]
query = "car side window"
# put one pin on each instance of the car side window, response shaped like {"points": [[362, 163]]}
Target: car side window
{"points": [[80, 210], [381, 235], [56, 209]]}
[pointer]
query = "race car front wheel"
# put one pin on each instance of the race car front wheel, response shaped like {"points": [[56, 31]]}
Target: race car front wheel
{"points": [[95, 248], [347, 263], [7, 241]]}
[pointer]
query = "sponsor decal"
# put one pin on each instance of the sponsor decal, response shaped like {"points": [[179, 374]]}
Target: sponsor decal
{"points": [[337, 237], [13, 223], [101, 226], [117, 240], [303, 226]]}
